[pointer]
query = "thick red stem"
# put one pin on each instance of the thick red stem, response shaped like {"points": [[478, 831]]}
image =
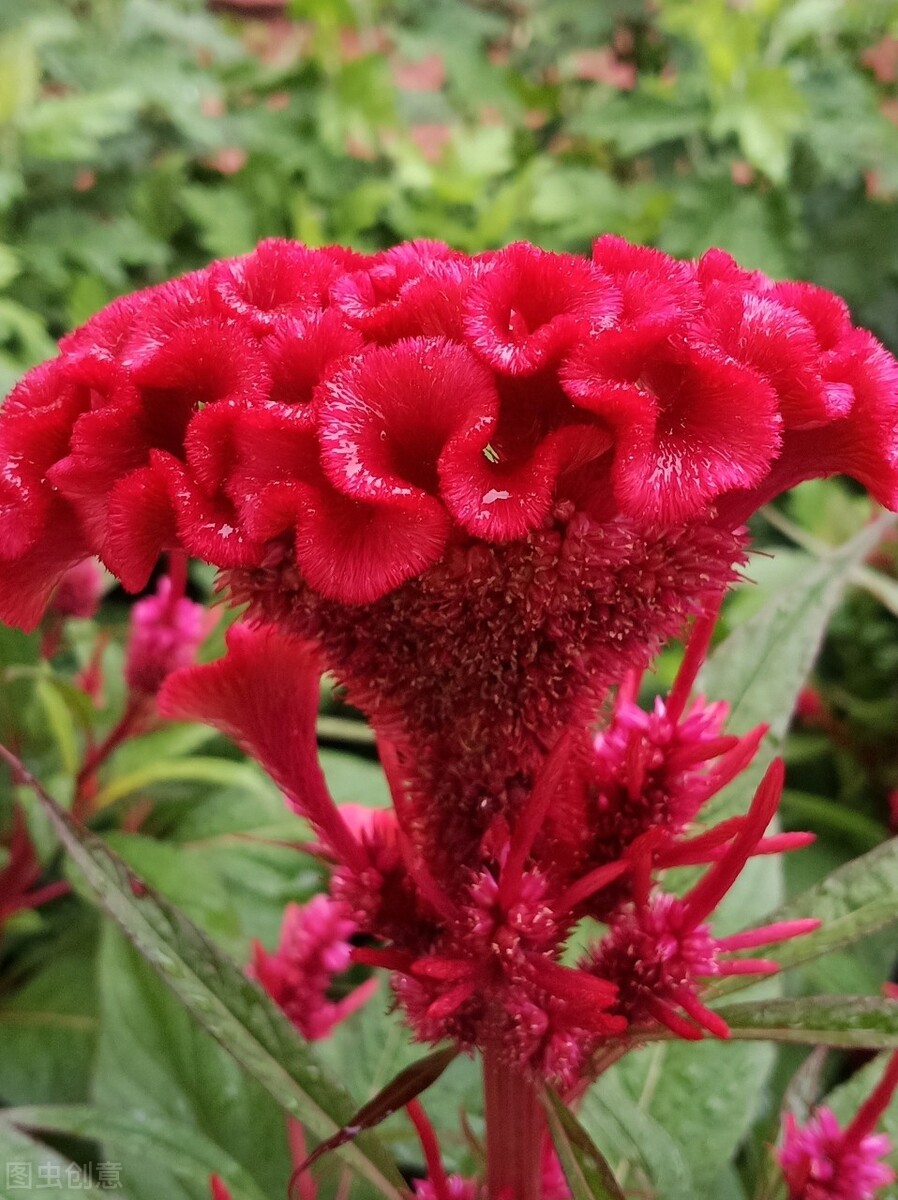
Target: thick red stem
{"points": [[515, 1130]]}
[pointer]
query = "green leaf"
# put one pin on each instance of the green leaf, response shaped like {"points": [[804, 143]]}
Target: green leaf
{"points": [[585, 1169], [354, 780], [221, 772], [141, 1137], [650, 117], [48, 1026], [761, 666], [73, 127], [60, 723], [238, 1014], [704, 1095], [19, 74], [223, 216], [853, 902], [765, 114], [38, 1168], [867, 1022], [184, 878], [628, 1135], [153, 1058]]}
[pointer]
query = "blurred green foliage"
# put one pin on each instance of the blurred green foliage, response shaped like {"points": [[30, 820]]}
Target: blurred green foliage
{"points": [[138, 138]]}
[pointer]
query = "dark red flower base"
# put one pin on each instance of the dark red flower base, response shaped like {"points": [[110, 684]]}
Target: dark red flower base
{"points": [[473, 670]]}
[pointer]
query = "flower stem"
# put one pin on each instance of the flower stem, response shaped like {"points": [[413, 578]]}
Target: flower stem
{"points": [[515, 1129]]}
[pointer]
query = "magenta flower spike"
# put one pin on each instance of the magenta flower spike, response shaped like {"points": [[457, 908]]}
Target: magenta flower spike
{"points": [[314, 949], [822, 1161]]}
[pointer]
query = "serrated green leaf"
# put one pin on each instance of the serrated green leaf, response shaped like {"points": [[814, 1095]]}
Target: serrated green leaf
{"points": [[853, 902], [587, 1172], [867, 1022], [142, 1136], [234, 1010]]}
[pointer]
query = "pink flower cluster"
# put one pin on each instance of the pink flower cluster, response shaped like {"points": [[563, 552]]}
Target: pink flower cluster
{"points": [[372, 411], [314, 948], [476, 945], [822, 1161], [166, 632]]}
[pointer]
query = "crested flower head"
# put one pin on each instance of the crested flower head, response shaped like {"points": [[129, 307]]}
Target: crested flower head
{"points": [[481, 491], [371, 412]]}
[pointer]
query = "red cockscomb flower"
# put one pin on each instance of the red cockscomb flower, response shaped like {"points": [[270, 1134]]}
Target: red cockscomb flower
{"points": [[482, 491]]}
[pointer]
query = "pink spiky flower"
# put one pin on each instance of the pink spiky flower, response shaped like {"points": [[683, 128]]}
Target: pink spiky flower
{"points": [[314, 949], [166, 632], [660, 952], [822, 1161]]}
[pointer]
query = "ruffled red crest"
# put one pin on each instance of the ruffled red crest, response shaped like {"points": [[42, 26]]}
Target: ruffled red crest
{"points": [[827, 313], [384, 422], [500, 477], [781, 345], [26, 587], [208, 526], [356, 551], [204, 411], [655, 288], [264, 696], [39, 416], [865, 443], [716, 266], [300, 353], [412, 290], [105, 335], [140, 525], [279, 280], [531, 305], [186, 354], [691, 423]]}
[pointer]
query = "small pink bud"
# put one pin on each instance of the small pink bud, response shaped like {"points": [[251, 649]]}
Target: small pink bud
{"points": [[165, 635], [218, 1188], [79, 591]]}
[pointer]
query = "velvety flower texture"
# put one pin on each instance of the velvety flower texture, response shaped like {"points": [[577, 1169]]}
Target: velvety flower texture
{"points": [[314, 948], [822, 1161], [482, 491]]}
